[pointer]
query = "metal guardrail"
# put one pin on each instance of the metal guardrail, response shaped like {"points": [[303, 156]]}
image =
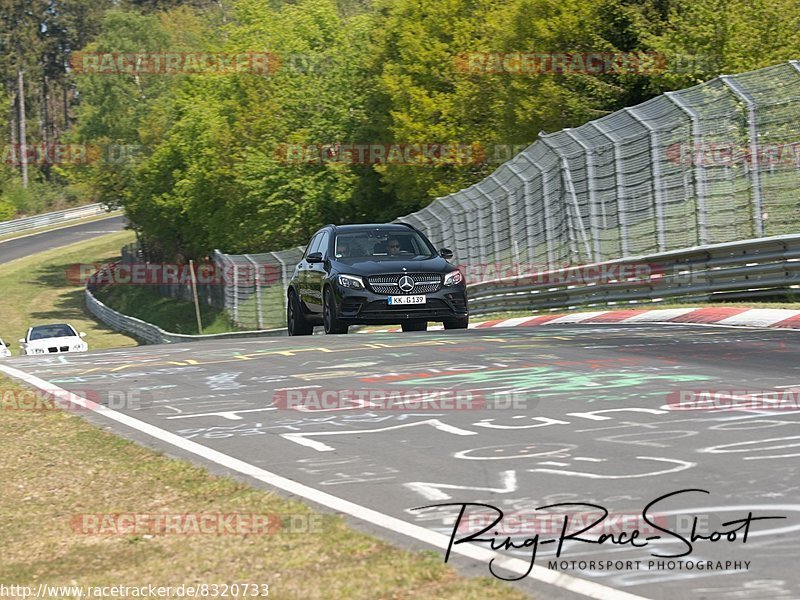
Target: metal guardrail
{"points": [[52, 218], [147, 332], [750, 268], [711, 164]]}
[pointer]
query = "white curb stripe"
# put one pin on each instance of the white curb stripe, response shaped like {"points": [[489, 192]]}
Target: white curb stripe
{"points": [[760, 317], [576, 318], [663, 314], [512, 322], [477, 553]]}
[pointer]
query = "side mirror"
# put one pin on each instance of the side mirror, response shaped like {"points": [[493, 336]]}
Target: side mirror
{"points": [[82, 334], [446, 253], [21, 340], [314, 257]]}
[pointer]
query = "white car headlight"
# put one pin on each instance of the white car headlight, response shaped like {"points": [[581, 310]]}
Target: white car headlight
{"points": [[351, 281], [79, 347], [453, 278]]}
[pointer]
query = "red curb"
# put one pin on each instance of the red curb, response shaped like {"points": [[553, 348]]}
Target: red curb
{"points": [[540, 320], [790, 323], [615, 316], [489, 323], [708, 315]]}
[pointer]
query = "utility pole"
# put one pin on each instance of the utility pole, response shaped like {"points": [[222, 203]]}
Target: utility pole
{"points": [[12, 125], [23, 150]]}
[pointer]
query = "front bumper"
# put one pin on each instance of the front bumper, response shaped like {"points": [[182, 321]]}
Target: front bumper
{"points": [[364, 307], [50, 350]]}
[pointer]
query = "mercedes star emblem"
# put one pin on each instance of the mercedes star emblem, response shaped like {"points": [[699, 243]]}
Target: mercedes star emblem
{"points": [[406, 284]]}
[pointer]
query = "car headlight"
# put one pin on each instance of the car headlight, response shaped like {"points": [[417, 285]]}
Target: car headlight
{"points": [[453, 278], [351, 281], [79, 348], [36, 351]]}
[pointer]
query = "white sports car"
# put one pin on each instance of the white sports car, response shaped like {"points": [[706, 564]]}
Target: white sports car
{"points": [[4, 351], [52, 339]]}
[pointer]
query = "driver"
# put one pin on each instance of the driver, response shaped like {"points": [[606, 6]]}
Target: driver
{"points": [[343, 250], [393, 246]]}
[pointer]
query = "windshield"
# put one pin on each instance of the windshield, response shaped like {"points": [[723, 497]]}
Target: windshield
{"points": [[50, 331], [382, 243]]}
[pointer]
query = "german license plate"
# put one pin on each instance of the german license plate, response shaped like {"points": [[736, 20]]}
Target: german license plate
{"points": [[394, 300]]}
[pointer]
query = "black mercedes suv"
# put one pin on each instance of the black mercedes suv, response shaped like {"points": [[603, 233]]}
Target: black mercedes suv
{"points": [[374, 274]]}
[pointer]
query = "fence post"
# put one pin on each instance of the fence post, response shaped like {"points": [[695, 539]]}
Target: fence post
{"points": [[495, 226], [462, 246], [235, 293], [285, 277], [594, 223], [476, 254], [565, 171], [257, 281], [621, 209], [752, 134], [699, 173], [514, 245], [442, 227], [655, 170], [530, 248], [548, 218]]}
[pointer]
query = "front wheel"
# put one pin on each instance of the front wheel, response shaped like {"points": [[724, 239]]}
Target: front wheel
{"points": [[460, 323], [415, 326], [295, 320], [331, 321]]}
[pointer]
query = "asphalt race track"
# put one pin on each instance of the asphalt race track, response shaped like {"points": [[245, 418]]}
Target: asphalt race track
{"points": [[594, 420], [47, 240]]}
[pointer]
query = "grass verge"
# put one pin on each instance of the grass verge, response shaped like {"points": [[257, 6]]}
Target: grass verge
{"points": [[37, 290], [170, 314], [64, 468]]}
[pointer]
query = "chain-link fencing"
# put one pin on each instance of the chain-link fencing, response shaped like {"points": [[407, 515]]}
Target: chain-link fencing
{"points": [[714, 163]]}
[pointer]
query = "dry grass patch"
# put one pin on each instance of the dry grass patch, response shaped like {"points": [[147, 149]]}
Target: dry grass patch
{"points": [[56, 466]]}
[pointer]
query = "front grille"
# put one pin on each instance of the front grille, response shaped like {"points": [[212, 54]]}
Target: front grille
{"points": [[425, 283], [57, 349]]}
